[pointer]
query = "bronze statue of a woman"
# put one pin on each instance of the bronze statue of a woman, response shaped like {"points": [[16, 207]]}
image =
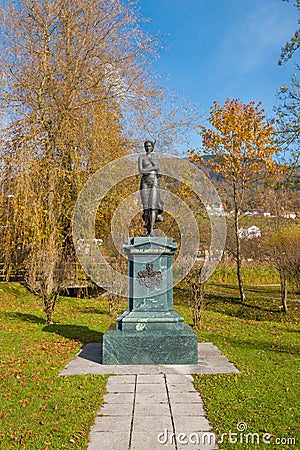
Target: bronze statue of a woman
{"points": [[150, 169]]}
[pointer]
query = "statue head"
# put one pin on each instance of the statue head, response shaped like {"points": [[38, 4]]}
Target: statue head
{"points": [[149, 146]]}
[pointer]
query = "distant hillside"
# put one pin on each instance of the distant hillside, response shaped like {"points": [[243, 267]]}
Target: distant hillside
{"points": [[291, 183]]}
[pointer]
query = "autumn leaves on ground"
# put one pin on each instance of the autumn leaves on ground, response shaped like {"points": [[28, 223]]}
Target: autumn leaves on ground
{"points": [[40, 410]]}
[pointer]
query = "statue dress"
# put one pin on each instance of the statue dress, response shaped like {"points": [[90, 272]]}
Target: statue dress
{"points": [[150, 190]]}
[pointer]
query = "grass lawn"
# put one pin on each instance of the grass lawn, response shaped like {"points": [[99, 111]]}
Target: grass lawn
{"points": [[40, 410], [264, 344]]}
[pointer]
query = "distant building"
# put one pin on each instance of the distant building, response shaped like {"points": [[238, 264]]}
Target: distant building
{"points": [[290, 215], [250, 232], [251, 212]]}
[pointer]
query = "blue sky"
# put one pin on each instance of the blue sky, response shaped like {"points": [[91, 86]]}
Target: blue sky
{"points": [[223, 48]]}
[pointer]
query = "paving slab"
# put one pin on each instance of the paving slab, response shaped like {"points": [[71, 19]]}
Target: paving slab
{"points": [[123, 397], [151, 398], [152, 379], [153, 407], [122, 379], [118, 388], [153, 423], [116, 409], [181, 388], [110, 423], [161, 409], [179, 379], [149, 441], [150, 388], [89, 361], [113, 440]]}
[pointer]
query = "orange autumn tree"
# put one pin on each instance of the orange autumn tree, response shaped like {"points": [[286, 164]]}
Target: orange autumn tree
{"points": [[240, 142]]}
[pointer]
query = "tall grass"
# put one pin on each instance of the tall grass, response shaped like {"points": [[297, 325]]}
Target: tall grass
{"points": [[252, 274]]}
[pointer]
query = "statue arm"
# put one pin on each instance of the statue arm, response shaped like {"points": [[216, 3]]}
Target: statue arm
{"points": [[141, 168], [159, 172], [156, 166]]}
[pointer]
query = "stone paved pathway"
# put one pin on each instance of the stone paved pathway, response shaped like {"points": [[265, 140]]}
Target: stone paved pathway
{"points": [[151, 412], [151, 407]]}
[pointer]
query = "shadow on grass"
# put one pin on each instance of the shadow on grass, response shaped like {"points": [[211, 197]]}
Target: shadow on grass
{"points": [[261, 306], [79, 333], [263, 303], [214, 298], [237, 301], [246, 311], [26, 317], [271, 290], [268, 291], [231, 305]]}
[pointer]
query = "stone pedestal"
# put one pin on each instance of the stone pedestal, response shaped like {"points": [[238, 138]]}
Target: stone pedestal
{"points": [[150, 331]]}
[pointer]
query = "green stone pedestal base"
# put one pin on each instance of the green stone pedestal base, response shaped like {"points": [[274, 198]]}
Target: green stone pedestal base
{"points": [[150, 331], [150, 347]]}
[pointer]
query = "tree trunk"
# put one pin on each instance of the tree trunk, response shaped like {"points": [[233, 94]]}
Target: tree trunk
{"points": [[284, 289], [48, 308], [238, 250], [198, 303]]}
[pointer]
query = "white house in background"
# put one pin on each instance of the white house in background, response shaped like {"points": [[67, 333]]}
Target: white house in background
{"points": [[290, 215], [251, 212], [250, 232]]}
